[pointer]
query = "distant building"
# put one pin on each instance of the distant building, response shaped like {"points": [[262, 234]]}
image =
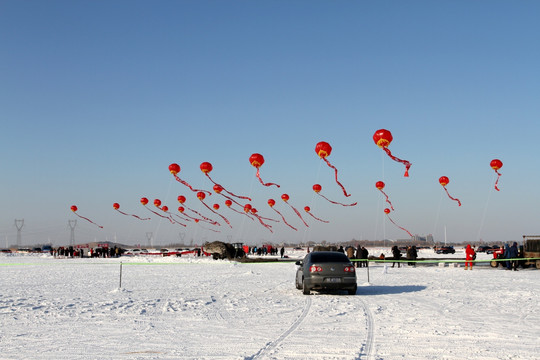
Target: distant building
{"points": [[427, 239]]}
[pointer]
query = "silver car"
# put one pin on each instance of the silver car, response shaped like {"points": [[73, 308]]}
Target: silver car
{"points": [[326, 270]]}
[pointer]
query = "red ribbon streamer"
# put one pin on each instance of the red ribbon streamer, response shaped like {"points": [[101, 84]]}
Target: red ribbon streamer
{"points": [[212, 210], [497, 181], [447, 193], [405, 162], [285, 221], [265, 184], [399, 226], [316, 218], [121, 212], [87, 219], [227, 191], [298, 213], [204, 218], [336, 171], [189, 186], [387, 199], [335, 202]]}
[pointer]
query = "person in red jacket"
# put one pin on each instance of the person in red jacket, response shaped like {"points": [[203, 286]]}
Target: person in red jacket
{"points": [[470, 254]]}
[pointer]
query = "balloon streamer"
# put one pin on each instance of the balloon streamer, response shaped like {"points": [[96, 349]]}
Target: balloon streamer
{"points": [[229, 202], [323, 149], [218, 189], [175, 169], [206, 168], [443, 180], [387, 211], [380, 185], [308, 209], [285, 198], [182, 200], [272, 202], [165, 209], [205, 228], [257, 160], [317, 188], [74, 209], [201, 196], [248, 208], [116, 206], [383, 138], [496, 164]]}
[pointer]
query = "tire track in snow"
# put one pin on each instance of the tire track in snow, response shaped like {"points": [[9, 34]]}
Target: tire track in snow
{"points": [[367, 349], [273, 344]]}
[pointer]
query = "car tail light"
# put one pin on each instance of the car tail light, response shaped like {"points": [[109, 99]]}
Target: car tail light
{"points": [[349, 269], [315, 269]]}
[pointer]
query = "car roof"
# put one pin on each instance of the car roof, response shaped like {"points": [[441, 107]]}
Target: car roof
{"points": [[327, 256]]}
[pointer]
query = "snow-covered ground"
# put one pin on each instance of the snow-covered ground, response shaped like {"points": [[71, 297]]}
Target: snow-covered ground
{"points": [[194, 308]]}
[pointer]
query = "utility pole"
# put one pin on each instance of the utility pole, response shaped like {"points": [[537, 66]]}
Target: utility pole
{"points": [[149, 236], [19, 225], [72, 224]]}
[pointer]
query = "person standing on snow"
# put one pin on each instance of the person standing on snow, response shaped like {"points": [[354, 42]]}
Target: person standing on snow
{"points": [[513, 253], [397, 255], [469, 255]]}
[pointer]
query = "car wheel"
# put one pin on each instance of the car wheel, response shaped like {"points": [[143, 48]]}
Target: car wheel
{"points": [[305, 288], [538, 264], [494, 264], [298, 285], [353, 290]]}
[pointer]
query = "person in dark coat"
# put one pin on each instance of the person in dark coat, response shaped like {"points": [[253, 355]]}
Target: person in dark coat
{"points": [[513, 253], [396, 253], [282, 251], [365, 254]]}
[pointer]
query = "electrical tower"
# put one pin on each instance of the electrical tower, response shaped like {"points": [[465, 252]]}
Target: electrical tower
{"points": [[149, 236], [72, 224], [19, 225]]}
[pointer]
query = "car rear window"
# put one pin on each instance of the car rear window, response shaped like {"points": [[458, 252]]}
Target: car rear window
{"points": [[329, 257]]}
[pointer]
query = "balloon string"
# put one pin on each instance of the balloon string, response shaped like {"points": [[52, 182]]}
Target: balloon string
{"points": [[497, 181], [121, 212], [227, 191], [189, 186], [387, 200], [205, 228], [389, 218], [459, 202], [336, 172], [263, 223], [180, 217], [337, 203], [260, 180], [241, 212], [265, 218], [204, 218], [212, 210], [316, 218], [174, 221], [192, 217], [87, 219], [234, 201], [405, 162], [158, 214], [298, 213], [285, 221]]}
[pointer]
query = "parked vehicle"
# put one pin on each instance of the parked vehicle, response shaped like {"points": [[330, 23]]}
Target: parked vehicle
{"points": [[326, 270], [446, 250], [483, 248]]}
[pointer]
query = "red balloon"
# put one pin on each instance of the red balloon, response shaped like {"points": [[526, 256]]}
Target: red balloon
{"points": [[73, 208], [144, 201], [218, 188], [317, 188], [307, 208], [496, 164], [253, 210], [271, 202], [181, 209], [379, 185], [201, 195], [157, 202], [443, 180], [181, 199], [206, 167], [285, 197], [323, 149], [382, 138], [165, 208], [216, 206], [247, 207], [174, 168], [228, 203], [256, 160], [116, 206], [387, 211]]}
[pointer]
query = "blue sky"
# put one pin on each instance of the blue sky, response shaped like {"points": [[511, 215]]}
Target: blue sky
{"points": [[97, 98]]}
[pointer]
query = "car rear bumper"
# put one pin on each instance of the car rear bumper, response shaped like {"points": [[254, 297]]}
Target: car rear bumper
{"points": [[320, 283]]}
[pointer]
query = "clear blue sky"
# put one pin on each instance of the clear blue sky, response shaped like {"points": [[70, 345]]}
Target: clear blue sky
{"points": [[97, 98]]}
